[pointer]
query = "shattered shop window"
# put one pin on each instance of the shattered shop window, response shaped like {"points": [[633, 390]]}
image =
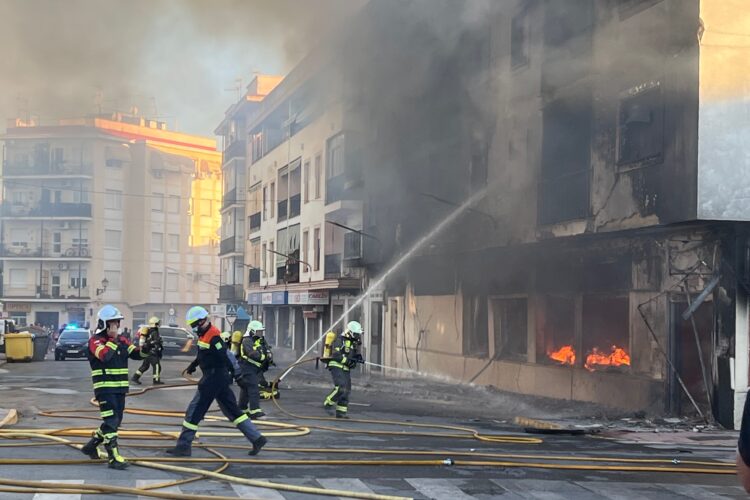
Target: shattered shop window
{"points": [[641, 125], [509, 324], [606, 333], [476, 340], [555, 335]]}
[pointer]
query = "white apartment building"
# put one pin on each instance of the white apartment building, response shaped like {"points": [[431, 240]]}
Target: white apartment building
{"points": [[112, 209]]}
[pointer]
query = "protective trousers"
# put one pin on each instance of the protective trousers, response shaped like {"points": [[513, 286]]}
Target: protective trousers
{"points": [[214, 386], [249, 391], [151, 361], [342, 381], [111, 409]]}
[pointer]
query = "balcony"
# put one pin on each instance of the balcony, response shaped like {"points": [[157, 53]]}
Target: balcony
{"points": [[255, 222], [343, 187], [229, 199], [46, 169], [236, 149], [231, 293], [352, 246], [23, 253], [332, 265], [53, 210], [253, 276], [230, 245]]}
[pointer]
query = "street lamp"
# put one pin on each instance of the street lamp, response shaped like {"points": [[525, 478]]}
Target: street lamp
{"points": [[105, 284]]}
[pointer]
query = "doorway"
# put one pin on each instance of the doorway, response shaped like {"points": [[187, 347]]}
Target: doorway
{"points": [[48, 318]]}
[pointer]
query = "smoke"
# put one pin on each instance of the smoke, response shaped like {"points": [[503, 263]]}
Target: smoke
{"points": [[171, 58]]}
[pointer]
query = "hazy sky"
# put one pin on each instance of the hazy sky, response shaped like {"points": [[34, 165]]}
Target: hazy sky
{"points": [[171, 58]]}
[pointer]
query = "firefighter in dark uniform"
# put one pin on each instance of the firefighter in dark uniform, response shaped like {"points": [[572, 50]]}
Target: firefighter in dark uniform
{"points": [[151, 342], [252, 360], [344, 357], [267, 390], [108, 355], [214, 385]]}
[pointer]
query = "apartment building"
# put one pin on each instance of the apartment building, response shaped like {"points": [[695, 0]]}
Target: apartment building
{"points": [[607, 261], [234, 133], [112, 209], [299, 274]]}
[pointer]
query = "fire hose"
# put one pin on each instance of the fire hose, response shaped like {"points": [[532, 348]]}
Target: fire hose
{"points": [[281, 429]]}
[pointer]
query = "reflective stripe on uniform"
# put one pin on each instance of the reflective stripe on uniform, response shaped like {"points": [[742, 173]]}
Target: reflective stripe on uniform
{"points": [[113, 383], [341, 409], [111, 345], [99, 349], [257, 410], [106, 413], [96, 373], [336, 364], [109, 371], [190, 426], [131, 348], [203, 345], [219, 346], [240, 419], [329, 400]]}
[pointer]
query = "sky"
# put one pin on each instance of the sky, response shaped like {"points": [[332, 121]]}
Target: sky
{"points": [[177, 60]]}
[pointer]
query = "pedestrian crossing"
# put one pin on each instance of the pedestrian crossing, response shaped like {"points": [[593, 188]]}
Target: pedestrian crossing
{"points": [[419, 488]]}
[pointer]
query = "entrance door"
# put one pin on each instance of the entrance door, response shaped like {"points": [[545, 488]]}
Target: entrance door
{"points": [[684, 354], [313, 331], [48, 319], [299, 330], [285, 336], [376, 334]]}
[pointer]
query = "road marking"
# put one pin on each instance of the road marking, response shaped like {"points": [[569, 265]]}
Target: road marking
{"points": [[438, 489], [344, 483], [244, 491], [51, 391], [60, 496], [615, 490], [142, 483], [544, 489]]}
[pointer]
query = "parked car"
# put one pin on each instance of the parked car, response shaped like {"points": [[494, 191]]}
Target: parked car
{"points": [[176, 340], [72, 343]]}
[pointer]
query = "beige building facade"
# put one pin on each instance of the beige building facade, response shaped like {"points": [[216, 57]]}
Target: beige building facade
{"points": [[113, 209]]}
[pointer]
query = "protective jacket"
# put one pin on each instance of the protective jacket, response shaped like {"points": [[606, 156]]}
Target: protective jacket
{"points": [[211, 353], [344, 354], [252, 353], [153, 342], [109, 363]]}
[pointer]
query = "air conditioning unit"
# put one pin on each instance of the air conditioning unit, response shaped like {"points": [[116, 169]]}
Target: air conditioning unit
{"points": [[65, 225]]}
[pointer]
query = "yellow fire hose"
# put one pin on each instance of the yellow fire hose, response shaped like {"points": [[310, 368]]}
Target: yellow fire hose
{"points": [[543, 461]]}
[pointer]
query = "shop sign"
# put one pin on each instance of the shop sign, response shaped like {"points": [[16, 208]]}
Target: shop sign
{"points": [[18, 307], [273, 298], [219, 310], [376, 296], [309, 297], [254, 298]]}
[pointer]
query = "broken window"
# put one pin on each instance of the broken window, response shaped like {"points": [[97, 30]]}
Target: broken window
{"points": [[641, 125], [475, 329], [509, 325], [519, 39], [565, 20], [555, 335], [566, 154], [605, 332]]}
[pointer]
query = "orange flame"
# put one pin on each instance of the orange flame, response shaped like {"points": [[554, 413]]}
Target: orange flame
{"points": [[565, 355], [597, 359]]}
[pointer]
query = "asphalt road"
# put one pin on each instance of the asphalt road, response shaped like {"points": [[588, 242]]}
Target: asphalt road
{"points": [[50, 385]]}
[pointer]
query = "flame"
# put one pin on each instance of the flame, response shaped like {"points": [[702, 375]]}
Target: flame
{"points": [[597, 359], [565, 355]]}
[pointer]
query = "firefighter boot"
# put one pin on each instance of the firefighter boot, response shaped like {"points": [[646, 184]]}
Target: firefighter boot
{"points": [[180, 451], [90, 447], [115, 459], [136, 378], [257, 445], [158, 382]]}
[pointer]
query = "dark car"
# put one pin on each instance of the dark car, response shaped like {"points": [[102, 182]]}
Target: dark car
{"points": [[72, 343], [175, 340]]}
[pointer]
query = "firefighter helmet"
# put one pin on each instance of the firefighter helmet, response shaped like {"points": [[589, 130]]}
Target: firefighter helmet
{"points": [[253, 327], [106, 314], [154, 322]]}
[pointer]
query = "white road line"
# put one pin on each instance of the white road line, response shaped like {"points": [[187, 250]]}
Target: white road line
{"points": [[438, 489], [60, 496], [140, 483], [543, 489], [344, 483], [244, 491]]}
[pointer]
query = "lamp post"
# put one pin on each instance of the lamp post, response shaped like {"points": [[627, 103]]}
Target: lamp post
{"points": [[100, 291]]}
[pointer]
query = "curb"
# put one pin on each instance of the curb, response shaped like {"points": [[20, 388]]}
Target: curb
{"points": [[10, 419]]}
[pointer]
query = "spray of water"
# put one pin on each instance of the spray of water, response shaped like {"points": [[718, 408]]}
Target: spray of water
{"points": [[375, 285]]}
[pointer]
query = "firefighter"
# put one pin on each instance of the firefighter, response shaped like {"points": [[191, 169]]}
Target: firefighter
{"points": [[267, 391], [344, 356], [108, 355], [252, 361], [214, 385], [151, 339], [227, 338]]}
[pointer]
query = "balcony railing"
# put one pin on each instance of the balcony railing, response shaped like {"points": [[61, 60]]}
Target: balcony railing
{"points": [[54, 210], [236, 149], [255, 222], [74, 252], [230, 198], [343, 187], [332, 267], [294, 206], [282, 205], [352, 246], [45, 168], [253, 276], [231, 292], [227, 245]]}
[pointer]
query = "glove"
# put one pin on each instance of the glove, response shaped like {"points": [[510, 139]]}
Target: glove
{"points": [[358, 358], [190, 370]]}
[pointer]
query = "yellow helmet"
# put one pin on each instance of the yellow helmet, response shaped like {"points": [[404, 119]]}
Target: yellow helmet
{"points": [[153, 321]]}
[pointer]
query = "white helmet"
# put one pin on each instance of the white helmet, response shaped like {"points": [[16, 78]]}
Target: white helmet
{"points": [[107, 313]]}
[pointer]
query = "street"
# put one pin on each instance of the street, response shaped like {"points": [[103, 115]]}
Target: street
{"points": [[388, 455]]}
